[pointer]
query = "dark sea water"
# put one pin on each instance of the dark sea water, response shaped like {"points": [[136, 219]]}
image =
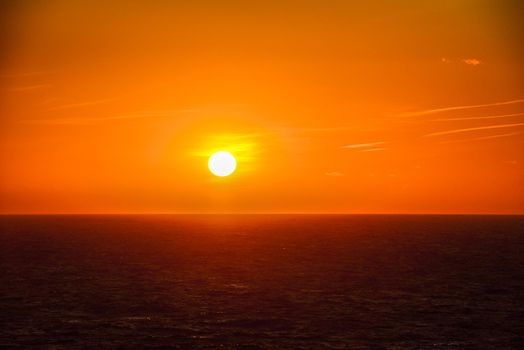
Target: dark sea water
{"points": [[262, 282]]}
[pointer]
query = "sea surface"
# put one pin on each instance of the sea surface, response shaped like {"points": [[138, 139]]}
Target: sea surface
{"points": [[262, 282]]}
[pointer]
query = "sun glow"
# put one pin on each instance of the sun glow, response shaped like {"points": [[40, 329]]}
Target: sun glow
{"points": [[222, 163]]}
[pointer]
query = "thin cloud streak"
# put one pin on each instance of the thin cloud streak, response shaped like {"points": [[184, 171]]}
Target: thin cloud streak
{"points": [[334, 174], [29, 88], [81, 104], [489, 127], [472, 61], [478, 118], [455, 108], [364, 145], [25, 74], [483, 137], [376, 149], [313, 130], [92, 121]]}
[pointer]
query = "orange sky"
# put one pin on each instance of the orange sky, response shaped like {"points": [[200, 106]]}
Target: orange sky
{"points": [[329, 106]]}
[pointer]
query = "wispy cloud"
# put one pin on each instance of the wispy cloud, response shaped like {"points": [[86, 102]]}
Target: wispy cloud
{"points": [[25, 74], [314, 130], [334, 173], [81, 104], [489, 127], [91, 121], [468, 61], [472, 61], [364, 145], [478, 118], [455, 108], [151, 114], [29, 87], [483, 137], [375, 149]]}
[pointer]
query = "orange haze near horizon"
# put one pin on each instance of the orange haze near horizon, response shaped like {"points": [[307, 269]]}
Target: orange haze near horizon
{"points": [[327, 106]]}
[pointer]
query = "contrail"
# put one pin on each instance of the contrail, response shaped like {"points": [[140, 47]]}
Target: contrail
{"points": [[483, 137], [477, 118], [455, 108], [364, 145], [374, 149], [456, 131], [29, 87], [90, 121], [80, 104]]}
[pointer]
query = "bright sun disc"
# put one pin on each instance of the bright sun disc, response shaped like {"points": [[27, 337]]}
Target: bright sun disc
{"points": [[222, 163]]}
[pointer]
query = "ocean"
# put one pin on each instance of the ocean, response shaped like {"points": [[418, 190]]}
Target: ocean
{"points": [[261, 282]]}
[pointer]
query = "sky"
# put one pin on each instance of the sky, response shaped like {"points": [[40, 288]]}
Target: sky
{"points": [[328, 106]]}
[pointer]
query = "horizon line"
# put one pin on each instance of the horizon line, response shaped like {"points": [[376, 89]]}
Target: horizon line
{"points": [[260, 213]]}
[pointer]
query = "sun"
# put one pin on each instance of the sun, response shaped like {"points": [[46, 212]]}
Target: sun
{"points": [[222, 163]]}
